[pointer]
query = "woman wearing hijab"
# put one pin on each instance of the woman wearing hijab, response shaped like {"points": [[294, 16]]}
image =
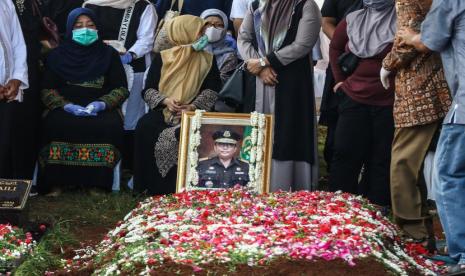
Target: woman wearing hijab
{"points": [[286, 31], [221, 44], [84, 86], [365, 126], [183, 78]]}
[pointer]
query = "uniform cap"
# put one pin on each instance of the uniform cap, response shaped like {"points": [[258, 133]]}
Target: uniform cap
{"points": [[226, 136]]}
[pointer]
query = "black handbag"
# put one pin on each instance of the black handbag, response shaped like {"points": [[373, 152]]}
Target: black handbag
{"points": [[233, 89], [348, 62]]}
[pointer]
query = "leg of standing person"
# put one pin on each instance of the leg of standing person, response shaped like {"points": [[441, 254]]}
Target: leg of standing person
{"points": [[135, 109], [25, 145], [408, 187], [328, 117], [450, 188], [379, 157], [6, 117], [352, 136]]}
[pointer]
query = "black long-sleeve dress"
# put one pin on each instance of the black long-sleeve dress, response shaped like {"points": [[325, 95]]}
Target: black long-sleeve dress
{"points": [[156, 143], [82, 151]]}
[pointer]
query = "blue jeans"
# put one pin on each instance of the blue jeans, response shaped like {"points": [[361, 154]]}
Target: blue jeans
{"points": [[449, 181]]}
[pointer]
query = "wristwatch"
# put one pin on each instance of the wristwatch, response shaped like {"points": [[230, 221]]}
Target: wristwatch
{"points": [[262, 62]]}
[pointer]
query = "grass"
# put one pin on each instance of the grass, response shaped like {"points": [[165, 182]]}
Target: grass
{"points": [[44, 256], [323, 181], [73, 217], [83, 208], [321, 144]]}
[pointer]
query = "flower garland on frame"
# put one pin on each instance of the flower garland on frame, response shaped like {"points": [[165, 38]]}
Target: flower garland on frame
{"points": [[257, 121], [194, 143]]}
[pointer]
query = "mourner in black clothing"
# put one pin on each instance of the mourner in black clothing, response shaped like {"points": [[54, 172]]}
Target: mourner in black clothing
{"points": [[172, 86], [84, 86], [333, 12]]}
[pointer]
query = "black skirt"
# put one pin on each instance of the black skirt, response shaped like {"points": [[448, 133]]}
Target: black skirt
{"points": [[80, 151]]}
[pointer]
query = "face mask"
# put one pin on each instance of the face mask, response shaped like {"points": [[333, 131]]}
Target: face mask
{"points": [[214, 34], [201, 43], [85, 36]]}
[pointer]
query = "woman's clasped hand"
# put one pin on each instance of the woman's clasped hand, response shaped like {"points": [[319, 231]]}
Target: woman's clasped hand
{"points": [[265, 73], [174, 106]]}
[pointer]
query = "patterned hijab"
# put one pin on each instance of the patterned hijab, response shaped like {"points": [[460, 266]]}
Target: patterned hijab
{"points": [[184, 69], [276, 16], [370, 30]]}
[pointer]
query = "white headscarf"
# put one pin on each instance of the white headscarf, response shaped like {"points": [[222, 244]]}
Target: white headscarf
{"points": [[226, 46], [117, 4], [370, 30], [218, 13]]}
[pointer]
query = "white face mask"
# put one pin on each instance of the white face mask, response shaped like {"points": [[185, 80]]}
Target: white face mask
{"points": [[214, 34]]}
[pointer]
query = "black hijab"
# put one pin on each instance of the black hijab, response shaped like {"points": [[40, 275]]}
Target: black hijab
{"points": [[77, 63]]}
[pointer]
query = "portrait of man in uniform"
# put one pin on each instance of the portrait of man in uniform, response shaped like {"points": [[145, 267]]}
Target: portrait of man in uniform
{"points": [[224, 151], [224, 169]]}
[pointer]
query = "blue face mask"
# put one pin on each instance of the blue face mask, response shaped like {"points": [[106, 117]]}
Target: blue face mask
{"points": [[85, 36], [201, 43]]}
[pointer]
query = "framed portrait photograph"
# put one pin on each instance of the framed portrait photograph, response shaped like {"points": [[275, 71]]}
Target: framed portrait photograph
{"points": [[224, 150]]}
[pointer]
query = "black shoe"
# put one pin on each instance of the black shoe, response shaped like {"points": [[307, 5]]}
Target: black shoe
{"points": [[33, 192]]}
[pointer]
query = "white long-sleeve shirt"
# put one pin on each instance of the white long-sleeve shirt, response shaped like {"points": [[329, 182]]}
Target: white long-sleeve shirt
{"points": [[145, 32], [13, 51]]}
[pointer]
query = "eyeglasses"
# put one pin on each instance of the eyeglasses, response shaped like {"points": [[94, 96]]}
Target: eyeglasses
{"points": [[216, 25]]}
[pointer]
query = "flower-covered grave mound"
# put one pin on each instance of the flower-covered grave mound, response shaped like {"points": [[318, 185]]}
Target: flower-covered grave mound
{"points": [[14, 244], [237, 227]]}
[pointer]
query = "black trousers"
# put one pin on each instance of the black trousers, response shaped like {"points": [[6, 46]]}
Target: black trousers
{"points": [[19, 139], [329, 116], [364, 136]]}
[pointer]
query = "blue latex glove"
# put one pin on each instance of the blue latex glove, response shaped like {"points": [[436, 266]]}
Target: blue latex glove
{"points": [[126, 58], [96, 107], [76, 110]]}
